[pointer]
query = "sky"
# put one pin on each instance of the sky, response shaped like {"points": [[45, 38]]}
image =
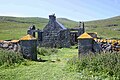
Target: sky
{"points": [[77, 10]]}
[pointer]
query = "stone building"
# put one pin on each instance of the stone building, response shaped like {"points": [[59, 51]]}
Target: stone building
{"points": [[54, 34], [76, 32], [87, 44], [28, 46]]}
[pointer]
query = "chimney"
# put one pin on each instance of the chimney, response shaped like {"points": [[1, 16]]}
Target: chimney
{"points": [[52, 17], [83, 27]]}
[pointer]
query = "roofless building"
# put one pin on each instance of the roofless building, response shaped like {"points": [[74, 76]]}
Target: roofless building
{"points": [[54, 34]]}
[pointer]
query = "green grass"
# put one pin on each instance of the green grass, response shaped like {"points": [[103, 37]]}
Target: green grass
{"points": [[102, 28], [38, 71], [48, 70], [55, 68], [16, 27], [102, 66], [8, 58], [68, 23]]}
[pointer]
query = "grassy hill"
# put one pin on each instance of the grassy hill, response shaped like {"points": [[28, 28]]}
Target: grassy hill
{"points": [[107, 28], [16, 27], [67, 22]]}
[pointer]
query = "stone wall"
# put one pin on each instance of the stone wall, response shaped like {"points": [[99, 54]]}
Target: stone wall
{"points": [[55, 34], [10, 46], [74, 34], [28, 48], [85, 46]]}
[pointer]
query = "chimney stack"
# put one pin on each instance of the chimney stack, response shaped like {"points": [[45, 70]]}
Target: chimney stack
{"points": [[52, 17]]}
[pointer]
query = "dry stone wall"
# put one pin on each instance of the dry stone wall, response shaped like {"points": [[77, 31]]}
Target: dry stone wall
{"points": [[10, 46]]}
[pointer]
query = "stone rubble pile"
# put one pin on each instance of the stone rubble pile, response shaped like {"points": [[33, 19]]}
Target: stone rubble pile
{"points": [[8, 45]]}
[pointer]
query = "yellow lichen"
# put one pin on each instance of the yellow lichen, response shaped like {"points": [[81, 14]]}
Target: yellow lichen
{"points": [[27, 37], [85, 35]]}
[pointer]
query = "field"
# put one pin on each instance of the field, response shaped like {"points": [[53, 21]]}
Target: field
{"points": [[106, 28], [16, 27], [56, 67], [53, 69]]}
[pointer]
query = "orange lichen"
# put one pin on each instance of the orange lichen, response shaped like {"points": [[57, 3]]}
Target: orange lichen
{"points": [[114, 41], [27, 37], [14, 41], [85, 35], [109, 41]]}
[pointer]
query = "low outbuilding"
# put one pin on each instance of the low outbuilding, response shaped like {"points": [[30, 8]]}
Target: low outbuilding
{"points": [[28, 46], [85, 44]]}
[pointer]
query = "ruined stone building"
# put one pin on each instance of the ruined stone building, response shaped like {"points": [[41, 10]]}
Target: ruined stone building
{"points": [[76, 32], [27, 46], [54, 34], [87, 44]]}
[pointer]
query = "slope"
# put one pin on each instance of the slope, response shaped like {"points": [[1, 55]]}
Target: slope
{"points": [[16, 27], [106, 28]]}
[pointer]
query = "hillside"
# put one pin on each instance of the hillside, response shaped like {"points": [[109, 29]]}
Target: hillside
{"points": [[67, 22], [16, 27], [106, 28]]}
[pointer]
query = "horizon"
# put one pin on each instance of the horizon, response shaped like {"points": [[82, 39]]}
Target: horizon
{"points": [[77, 10], [56, 17]]}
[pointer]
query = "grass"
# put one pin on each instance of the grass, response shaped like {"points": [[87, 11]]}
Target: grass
{"points": [[9, 58], [56, 68], [53, 69], [37, 71], [106, 65], [103, 29], [19, 26]]}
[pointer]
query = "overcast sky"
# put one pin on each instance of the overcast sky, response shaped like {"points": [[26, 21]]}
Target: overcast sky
{"points": [[78, 10]]}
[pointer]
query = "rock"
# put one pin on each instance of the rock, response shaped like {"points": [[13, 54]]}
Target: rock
{"points": [[5, 45], [15, 47]]}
